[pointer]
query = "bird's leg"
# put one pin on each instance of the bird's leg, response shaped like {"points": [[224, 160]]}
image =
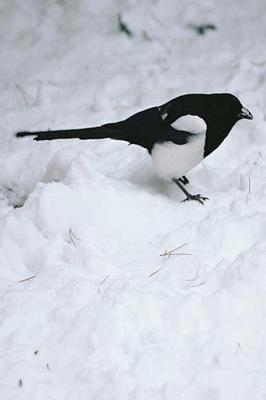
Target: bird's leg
{"points": [[196, 197], [184, 180]]}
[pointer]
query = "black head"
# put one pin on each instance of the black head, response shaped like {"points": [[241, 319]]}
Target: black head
{"points": [[225, 106], [217, 108]]}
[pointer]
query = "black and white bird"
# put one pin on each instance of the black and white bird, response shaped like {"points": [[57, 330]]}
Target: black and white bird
{"points": [[178, 134]]}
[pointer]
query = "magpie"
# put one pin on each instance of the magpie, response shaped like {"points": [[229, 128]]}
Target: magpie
{"points": [[178, 134]]}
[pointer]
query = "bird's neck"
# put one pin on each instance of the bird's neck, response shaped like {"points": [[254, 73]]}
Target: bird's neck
{"points": [[215, 135]]}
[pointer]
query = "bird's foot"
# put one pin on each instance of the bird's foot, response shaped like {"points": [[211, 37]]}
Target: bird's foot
{"points": [[196, 197], [188, 195]]}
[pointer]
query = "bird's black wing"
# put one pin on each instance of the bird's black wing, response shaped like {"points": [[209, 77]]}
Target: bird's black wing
{"points": [[148, 127]]}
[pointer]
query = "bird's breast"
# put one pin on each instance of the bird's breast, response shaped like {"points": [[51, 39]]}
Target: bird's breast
{"points": [[171, 160]]}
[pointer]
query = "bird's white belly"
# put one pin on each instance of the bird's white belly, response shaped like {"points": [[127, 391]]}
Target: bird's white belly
{"points": [[171, 160]]}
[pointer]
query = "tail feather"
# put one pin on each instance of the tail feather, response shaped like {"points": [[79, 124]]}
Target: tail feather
{"points": [[22, 134], [106, 131]]}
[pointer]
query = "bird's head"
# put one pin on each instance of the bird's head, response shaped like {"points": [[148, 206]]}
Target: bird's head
{"points": [[216, 109], [225, 106]]}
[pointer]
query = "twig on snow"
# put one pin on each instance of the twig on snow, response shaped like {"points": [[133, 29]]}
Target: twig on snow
{"points": [[154, 272], [169, 253], [73, 236], [27, 279]]}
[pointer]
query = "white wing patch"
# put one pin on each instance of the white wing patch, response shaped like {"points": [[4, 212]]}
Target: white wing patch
{"points": [[190, 123]]}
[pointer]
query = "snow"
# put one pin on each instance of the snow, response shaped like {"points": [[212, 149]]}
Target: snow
{"points": [[94, 302]]}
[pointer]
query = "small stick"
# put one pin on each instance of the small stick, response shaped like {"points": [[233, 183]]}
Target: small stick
{"points": [[73, 237], [170, 253], [154, 272], [27, 279]]}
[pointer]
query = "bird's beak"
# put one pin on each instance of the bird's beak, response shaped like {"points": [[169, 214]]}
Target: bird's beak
{"points": [[244, 113]]}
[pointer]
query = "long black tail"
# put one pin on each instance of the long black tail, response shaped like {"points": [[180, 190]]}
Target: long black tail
{"points": [[112, 131], [143, 129]]}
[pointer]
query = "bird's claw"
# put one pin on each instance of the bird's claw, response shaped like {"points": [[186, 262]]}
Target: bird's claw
{"points": [[196, 197]]}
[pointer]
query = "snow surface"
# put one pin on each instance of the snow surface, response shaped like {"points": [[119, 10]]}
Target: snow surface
{"points": [[94, 304]]}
